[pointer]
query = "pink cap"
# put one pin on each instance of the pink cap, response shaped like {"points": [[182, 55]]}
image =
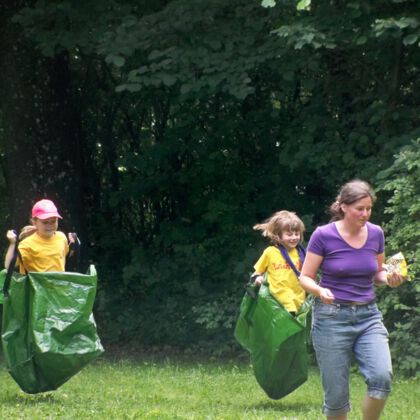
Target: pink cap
{"points": [[44, 209]]}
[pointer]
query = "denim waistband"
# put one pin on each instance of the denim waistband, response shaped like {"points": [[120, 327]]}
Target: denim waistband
{"points": [[348, 303]]}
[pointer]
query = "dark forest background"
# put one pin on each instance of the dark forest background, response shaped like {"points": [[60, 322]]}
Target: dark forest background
{"points": [[164, 130]]}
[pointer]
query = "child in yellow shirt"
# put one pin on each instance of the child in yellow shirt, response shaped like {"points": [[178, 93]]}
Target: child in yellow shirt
{"points": [[41, 248], [283, 260]]}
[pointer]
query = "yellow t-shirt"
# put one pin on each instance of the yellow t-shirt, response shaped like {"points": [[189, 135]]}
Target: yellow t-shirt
{"points": [[41, 255], [283, 282]]}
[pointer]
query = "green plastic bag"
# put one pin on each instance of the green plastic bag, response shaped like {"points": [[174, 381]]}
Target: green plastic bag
{"points": [[48, 330], [276, 341]]}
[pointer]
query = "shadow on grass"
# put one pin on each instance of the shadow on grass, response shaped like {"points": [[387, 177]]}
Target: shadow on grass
{"points": [[29, 399], [295, 406]]}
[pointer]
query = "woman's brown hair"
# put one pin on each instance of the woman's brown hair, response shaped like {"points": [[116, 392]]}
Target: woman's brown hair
{"points": [[349, 193]]}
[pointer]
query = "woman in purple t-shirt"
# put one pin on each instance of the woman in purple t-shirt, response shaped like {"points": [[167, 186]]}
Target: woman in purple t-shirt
{"points": [[349, 251]]}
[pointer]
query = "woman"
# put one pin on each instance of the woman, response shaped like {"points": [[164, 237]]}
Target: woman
{"points": [[346, 320]]}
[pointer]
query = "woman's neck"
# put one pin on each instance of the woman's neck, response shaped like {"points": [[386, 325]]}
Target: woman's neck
{"points": [[350, 228]]}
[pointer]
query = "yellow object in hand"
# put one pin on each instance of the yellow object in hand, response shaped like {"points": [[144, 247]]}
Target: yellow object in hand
{"points": [[398, 265]]}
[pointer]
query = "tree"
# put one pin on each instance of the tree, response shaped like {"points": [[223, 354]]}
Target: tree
{"points": [[40, 136]]}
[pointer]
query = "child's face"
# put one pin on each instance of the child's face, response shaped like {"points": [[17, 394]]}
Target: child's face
{"points": [[47, 227], [290, 239]]}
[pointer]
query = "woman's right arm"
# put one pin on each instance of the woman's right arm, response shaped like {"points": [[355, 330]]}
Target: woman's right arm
{"points": [[308, 275]]}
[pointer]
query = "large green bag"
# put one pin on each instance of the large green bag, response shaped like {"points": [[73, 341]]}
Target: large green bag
{"points": [[276, 341], [48, 330]]}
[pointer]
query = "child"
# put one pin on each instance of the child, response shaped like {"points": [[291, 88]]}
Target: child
{"points": [[283, 260], [41, 248]]}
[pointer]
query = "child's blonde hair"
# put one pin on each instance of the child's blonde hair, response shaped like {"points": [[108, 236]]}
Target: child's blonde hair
{"points": [[27, 231], [279, 222]]}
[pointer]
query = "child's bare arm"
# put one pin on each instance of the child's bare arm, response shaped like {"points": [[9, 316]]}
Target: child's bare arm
{"points": [[12, 237]]}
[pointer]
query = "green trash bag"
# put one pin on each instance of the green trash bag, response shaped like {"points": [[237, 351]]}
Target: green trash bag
{"points": [[48, 330], [276, 341]]}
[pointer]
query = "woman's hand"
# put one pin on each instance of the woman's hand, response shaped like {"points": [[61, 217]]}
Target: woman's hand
{"points": [[395, 279], [385, 277], [326, 295]]}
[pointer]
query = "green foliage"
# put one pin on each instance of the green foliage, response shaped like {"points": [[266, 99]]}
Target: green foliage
{"points": [[218, 319], [402, 305], [219, 313], [190, 55]]}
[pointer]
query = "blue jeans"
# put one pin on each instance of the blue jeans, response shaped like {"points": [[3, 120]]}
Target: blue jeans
{"points": [[341, 331]]}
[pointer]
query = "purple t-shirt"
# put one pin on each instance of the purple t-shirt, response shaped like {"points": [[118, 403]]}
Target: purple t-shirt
{"points": [[348, 272]]}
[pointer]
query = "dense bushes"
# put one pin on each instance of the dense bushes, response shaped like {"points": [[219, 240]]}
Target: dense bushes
{"points": [[401, 306]]}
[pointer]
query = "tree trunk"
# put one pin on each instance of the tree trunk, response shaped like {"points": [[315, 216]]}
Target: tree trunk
{"points": [[40, 135]]}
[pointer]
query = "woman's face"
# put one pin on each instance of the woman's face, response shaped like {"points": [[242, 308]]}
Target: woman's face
{"points": [[358, 213], [47, 227]]}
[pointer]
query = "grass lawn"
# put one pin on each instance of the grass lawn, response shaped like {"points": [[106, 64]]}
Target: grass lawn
{"points": [[126, 389]]}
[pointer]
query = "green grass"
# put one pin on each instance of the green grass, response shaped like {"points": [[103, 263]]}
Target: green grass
{"points": [[180, 390]]}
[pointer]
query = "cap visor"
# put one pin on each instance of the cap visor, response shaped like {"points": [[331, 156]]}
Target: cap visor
{"points": [[48, 216]]}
